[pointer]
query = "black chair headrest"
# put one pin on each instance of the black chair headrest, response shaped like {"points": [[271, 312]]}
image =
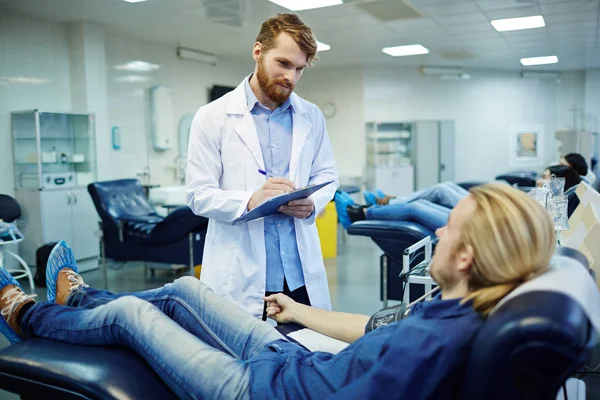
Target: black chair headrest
{"points": [[122, 199], [9, 208], [528, 348]]}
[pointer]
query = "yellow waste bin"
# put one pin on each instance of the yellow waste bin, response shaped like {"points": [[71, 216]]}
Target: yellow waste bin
{"points": [[327, 223], [198, 270]]}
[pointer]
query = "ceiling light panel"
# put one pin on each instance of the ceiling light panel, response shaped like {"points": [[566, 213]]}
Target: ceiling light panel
{"points": [[409, 50], [516, 24], [137, 66], [539, 60], [299, 5]]}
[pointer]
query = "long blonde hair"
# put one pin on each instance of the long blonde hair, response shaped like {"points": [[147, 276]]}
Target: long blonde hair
{"points": [[513, 239]]}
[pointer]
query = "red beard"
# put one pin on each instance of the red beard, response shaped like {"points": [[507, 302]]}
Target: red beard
{"points": [[277, 90]]}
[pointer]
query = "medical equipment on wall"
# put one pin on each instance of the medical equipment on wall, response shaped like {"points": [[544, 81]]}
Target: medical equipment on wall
{"points": [[183, 135], [116, 137], [161, 114]]}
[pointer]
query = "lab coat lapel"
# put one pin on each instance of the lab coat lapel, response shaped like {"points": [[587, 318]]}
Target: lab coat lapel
{"points": [[300, 129], [247, 132]]}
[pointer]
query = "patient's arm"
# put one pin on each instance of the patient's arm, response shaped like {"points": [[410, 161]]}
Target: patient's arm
{"points": [[338, 325]]}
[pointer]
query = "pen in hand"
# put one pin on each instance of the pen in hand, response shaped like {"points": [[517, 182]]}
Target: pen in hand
{"points": [[263, 172]]}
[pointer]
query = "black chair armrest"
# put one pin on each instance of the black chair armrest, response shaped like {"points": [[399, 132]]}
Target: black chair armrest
{"points": [[388, 229]]}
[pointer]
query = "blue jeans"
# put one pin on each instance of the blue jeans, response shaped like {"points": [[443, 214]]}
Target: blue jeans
{"points": [[195, 340], [430, 215], [445, 194]]}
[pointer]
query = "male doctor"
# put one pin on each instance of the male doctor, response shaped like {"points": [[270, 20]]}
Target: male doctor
{"points": [[256, 142]]}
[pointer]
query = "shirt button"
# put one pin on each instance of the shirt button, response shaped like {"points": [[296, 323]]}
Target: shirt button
{"points": [[283, 253], [279, 225]]}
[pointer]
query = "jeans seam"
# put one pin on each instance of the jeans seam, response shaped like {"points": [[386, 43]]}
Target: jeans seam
{"points": [[87, 297], [181, 302], [199, 320]]}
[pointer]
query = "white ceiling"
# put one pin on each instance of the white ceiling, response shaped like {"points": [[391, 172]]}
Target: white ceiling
{"points": [[228, 27]]}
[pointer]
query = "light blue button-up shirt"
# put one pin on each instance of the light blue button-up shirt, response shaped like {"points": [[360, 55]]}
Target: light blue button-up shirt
{"points": [[274, 130]]}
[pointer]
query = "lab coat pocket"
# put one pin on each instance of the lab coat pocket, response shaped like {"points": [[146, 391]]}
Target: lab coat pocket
{"points": [[234, 172]]}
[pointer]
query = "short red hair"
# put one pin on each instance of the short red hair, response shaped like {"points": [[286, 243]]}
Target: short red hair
{"points": [[293, 26]]}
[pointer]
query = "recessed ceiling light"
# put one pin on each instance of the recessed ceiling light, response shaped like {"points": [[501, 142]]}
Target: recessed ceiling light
{"points": [[515, 24], [21, 79], [299, 5], [137, 66], [133, 79], [322, 46], [133, 1], [539, 60], [410, 50]]}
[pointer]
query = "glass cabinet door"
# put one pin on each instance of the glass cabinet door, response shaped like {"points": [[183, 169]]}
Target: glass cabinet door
{"points": [[25, 149], [53, 149], [389, 144]]}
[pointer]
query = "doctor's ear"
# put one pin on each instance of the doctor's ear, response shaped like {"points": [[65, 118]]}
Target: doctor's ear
{"points": [[257, 51]]}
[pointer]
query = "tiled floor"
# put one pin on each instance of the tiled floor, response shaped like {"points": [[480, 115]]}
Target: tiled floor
{"points": [[353, 282]]}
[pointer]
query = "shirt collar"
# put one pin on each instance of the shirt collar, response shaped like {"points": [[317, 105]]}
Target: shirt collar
{"points": [[438, 308], [252, 101]]}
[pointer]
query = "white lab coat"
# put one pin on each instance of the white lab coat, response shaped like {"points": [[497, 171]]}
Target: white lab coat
{"points": [[224, 156]]}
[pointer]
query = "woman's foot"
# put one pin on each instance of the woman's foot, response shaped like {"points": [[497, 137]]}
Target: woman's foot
{"points": [[342, 201], [12, 300], [62, 274], [356, 213], [384, 201], [370, 197]]}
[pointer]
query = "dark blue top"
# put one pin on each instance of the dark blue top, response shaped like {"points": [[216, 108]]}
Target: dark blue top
{"points": [[420, 357]]}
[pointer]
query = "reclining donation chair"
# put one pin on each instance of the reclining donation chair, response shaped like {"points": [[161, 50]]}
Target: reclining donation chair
{"points": [[523, 179], [536, 338], [393, 237], [133, 231]]}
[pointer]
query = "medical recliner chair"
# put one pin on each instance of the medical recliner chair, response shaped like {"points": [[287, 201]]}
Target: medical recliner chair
{"points": [[524, 179], [133, 231], [536, 338], [393, 237]]}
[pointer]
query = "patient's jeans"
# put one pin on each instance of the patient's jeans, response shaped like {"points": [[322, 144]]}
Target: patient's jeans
{"points": [[430, 215], [445, 194], [195, 340]]}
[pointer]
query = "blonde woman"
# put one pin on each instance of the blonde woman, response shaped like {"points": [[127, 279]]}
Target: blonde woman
{"points": [[203, 346]]}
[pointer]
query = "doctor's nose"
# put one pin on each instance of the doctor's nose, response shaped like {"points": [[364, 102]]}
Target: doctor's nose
{"points": [[290, 77]]}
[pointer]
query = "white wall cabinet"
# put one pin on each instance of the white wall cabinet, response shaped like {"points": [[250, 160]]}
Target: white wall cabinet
{"points": [[53, 215]]}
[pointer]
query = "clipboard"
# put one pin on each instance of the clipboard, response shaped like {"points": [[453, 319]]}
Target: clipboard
{"points": [[270, 206]]}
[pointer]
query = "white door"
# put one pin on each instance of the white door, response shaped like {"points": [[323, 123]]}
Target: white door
{"points": [[446, 151], [85, 225], [426, 154], [56, 216]]}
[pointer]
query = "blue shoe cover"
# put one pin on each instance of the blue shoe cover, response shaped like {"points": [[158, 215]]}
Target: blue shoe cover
{"points": [[60, 257]]}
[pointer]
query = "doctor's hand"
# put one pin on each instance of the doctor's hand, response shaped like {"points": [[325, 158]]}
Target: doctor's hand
{"points": [[271, 188], [301, 208], [279, 308]]}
